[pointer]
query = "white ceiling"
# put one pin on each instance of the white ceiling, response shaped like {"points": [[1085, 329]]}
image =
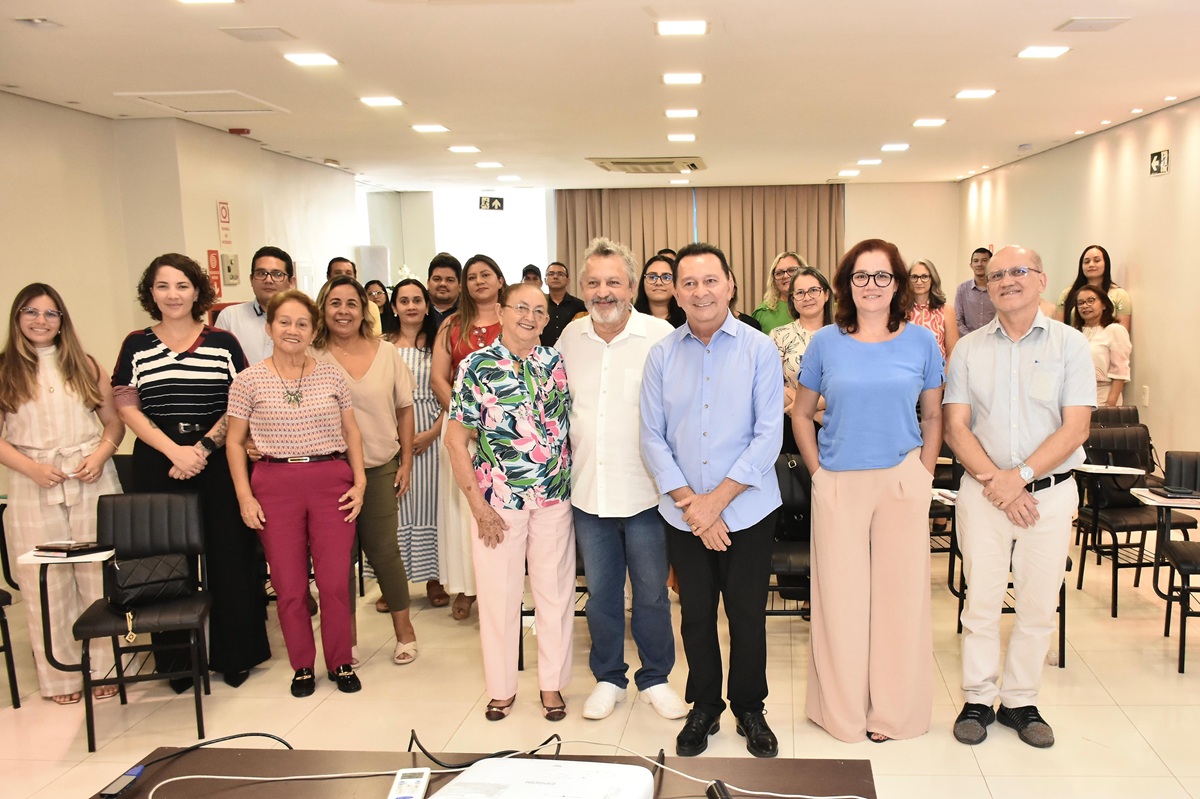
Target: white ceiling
{"points": [[794, 91]]}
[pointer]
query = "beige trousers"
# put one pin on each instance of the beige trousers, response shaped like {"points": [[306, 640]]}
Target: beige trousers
{"points": [[872, 643]]}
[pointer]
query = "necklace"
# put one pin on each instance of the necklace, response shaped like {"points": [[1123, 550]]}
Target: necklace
{"points": [[291, 395]]}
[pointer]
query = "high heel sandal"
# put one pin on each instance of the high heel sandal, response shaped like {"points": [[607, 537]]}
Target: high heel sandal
{"points": [[496, 712]]}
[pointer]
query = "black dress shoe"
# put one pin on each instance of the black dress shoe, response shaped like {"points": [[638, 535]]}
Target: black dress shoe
{"points": [[235, 678], [346, 679], [693, 738], [304, 683], [760, 741]]}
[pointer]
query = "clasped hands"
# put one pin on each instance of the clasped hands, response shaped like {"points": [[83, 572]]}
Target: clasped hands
{"points": [[702, 513], [1006, 491], [188, 462]]}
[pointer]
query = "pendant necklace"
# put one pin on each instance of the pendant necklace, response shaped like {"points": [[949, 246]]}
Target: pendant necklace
{"points": [[291, 395]]}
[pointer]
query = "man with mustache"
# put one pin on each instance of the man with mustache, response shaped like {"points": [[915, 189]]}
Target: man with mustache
{"points": [[617, 526]]}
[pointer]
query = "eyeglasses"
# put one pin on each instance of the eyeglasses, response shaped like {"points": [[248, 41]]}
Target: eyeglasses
{"points": [[1012, 271], [1089, 302], [377, 293], [815, 292], [524, 310], [556, 274], [273, 274], [657, 279], [882, 279], [33, 313], [785, 272], [920, 278]]}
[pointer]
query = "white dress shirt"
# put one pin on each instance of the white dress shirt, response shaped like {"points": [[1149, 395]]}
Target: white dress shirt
{"points": [[248, 321], [608, 477]]}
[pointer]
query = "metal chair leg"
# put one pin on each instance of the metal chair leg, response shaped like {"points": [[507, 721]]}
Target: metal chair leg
{"points": [[8, 661], [1184, 609], [88, 708]]}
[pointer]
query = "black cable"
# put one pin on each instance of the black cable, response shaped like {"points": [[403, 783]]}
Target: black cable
{"points": [[194, 747], [413, 739]]}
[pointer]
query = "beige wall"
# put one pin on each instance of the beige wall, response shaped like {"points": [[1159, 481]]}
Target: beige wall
{"points": [[919, 218], [1098, 190]]}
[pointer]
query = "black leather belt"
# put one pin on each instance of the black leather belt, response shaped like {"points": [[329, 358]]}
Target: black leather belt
{"points": [[333, 456], [1046, 482]]}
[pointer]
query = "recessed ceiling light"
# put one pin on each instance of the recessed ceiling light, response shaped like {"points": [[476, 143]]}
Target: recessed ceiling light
{"points": [[985, 166], [1106, 122], [680, 181], [692, 27], [685, 171], [379, 102], [1080, 132], [849, 173], [958, 177], [463, 148], [1042, 52], [972, 172], [682, 78], [331, 162], [870, 161], [1135, 110], [431, 128], [975, 94], [311, 59], [681, 137], [894, 148], [1170, 98], [929, 123], [489, 164], [509, 178], [682, 113]]}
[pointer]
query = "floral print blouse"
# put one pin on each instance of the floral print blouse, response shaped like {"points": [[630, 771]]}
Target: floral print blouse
{"points": [[519, 408]]}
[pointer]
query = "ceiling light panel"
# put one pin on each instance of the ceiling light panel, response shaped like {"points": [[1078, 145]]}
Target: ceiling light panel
{"points": [[682, 113], [1038, 51], [682, 78], [680, 182], [849, 173], [975, 94], [894, 148], [311, 59], [681, 137], [870, 162], [463, 148], [929, 123], [489, 165], [431, 128], [1091, 24], [381, 102], [694, 27]]}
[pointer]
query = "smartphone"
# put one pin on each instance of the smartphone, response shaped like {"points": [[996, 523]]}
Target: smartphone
{"points": [[117, 786], [410, 783]]}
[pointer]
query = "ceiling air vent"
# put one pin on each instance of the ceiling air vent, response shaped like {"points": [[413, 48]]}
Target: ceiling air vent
{"points": [[650, 166]]}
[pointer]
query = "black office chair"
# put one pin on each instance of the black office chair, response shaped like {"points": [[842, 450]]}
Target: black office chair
{"points": [[1109, 510], [791, 561], [1115, 416], [1182, 557], [139, 526], [6, 648]]}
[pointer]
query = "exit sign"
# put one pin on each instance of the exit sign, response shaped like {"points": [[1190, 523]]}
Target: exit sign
{"points": [[491, 203]]}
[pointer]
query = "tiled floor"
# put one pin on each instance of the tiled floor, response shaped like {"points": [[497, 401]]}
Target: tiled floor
{"points": [[1122, 715]]}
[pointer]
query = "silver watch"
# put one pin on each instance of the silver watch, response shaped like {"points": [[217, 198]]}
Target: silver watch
{"points": [[1026, 472]]}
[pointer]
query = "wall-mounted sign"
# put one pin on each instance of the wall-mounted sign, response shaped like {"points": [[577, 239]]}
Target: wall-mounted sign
{"points": [[224, 225], [491, 203], [1160, 162], [214, 271]]}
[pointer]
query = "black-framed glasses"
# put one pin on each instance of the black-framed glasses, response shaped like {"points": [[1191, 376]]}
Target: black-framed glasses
{"points": [[815, 292], [524, 310], [664, 279], [1086, 303], [882, 279], [1012, 271], [920, 278], [785, 272], [33, 313], [269, 274]]}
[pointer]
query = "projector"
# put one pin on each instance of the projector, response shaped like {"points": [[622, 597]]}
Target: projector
{"points": [[510, 778]]}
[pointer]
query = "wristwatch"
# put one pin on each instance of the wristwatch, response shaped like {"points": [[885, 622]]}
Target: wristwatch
{"points": [[1026, 472], [210, 447]]}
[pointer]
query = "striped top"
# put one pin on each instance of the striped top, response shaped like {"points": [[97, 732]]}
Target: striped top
{"points": [[190, 386], [292, 429]]}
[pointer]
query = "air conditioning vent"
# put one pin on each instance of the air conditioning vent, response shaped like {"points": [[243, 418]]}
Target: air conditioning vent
{"points": [[650, 166]]}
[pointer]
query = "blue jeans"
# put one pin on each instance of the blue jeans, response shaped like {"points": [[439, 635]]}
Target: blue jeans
{"points": [[609, 547]]}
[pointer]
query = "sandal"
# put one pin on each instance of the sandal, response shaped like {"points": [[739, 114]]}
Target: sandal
{"points": [[436, 592], [496, 711], [405, 653], [104, 692], [381, 606], [66, 699], [461, 609], [877, 737], [554, 712]]}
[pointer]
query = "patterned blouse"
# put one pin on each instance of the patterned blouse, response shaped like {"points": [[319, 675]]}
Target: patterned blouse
{"points": [[292, 418], [932, 319], [519, 408], [792, 340]]}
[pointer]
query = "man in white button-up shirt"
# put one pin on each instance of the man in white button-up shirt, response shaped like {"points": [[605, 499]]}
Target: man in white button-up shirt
{"points": [[271, 271], [617, 526]]}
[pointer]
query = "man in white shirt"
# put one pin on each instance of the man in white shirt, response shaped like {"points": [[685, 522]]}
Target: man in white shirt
{"points": [[271, 271], [617, 526]]}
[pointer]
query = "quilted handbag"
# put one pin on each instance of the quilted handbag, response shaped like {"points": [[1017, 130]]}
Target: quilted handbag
{"points": [[138, 582]]}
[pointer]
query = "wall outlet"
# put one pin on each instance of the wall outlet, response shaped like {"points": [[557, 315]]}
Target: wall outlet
{"points": [[1145, 396]]}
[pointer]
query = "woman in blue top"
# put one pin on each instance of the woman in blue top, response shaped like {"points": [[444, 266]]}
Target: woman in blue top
{"points": [[872, 469]]}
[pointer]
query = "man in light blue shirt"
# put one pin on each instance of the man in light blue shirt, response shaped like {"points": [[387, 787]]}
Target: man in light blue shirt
{"points": [[710, 432]]}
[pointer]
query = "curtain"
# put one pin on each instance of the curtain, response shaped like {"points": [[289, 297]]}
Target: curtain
{"points": [[751, 224]]}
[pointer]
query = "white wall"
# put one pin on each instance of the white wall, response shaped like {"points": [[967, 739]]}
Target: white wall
{"points": [[513, 237], [1098, 190], [919, 218]]}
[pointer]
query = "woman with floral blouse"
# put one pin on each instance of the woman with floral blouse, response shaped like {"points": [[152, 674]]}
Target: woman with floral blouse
{"points": [[512, 398]]}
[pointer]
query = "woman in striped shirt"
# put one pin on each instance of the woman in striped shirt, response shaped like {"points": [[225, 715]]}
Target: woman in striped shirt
{"points": [[171, 387]]}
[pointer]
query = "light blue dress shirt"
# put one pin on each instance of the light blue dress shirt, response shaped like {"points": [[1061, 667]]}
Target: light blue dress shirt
{"points": [[711, 411]]}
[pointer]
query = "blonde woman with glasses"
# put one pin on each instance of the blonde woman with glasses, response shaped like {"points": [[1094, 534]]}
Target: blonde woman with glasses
{"points": [[773, 312]]}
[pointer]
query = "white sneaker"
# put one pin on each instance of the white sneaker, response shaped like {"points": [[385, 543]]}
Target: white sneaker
{"points": [[665, 701], [603, 699]]}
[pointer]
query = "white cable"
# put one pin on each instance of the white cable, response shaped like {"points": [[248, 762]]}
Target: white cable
{"points": [[293, 778]]}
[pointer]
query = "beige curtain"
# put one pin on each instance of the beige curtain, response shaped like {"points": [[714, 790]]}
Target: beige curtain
{"points": [[751, 224]]}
